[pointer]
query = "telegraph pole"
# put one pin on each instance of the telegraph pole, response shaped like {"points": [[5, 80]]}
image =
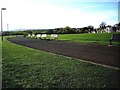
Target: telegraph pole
{"points": [[2, 24], [8, 29]]}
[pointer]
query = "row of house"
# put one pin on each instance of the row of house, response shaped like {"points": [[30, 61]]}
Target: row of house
{"points": [[109, 29]]}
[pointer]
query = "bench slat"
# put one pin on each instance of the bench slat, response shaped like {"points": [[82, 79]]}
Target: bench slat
{"points": [[115, 37]]}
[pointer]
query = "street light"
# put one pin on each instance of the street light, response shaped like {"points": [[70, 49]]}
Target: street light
{"points": [[8, 29], [1, 24]]}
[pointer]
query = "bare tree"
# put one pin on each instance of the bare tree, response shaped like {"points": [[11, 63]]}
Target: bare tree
{"points": [[103, 25]]}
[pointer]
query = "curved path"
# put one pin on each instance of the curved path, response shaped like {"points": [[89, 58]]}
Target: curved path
{"points": [[107, 55]]}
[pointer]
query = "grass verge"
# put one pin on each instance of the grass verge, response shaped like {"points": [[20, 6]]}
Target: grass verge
{"points": [[98, 38], [29, 68]]}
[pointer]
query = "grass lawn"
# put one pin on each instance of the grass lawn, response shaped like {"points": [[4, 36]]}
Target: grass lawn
{"points": [[0, 63], [29, 68], [98, 38]]}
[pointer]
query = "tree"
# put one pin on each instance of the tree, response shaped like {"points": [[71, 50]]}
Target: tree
{"points": [[90, 28], [29, 32], [59, 30], [50, 31], [119, 26], [68, 29], [84, 30], [65, 30], [103, 25]]}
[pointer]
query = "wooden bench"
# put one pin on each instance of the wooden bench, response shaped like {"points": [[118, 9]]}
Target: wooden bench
{"points": [[53, 36], [44, 36], [33, 35], [38, 36], [29, 35], [115, 37]]}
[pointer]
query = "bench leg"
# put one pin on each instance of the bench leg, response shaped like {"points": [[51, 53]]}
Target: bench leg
{"points": [[110, 42]]}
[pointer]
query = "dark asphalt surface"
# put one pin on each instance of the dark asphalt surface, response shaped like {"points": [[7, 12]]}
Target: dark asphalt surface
{"points": [[107, 55]]}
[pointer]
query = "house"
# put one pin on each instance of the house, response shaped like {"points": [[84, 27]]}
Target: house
{"points": [[110, 29]]}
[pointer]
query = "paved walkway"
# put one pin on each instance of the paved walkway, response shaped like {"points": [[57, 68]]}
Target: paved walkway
{"points": [[107, 55]]}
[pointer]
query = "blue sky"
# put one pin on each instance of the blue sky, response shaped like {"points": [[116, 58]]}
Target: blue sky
{"points": [[35, 14]]}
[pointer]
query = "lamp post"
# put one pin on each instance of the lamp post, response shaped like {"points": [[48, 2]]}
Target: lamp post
{"points": [[1, 24], [8, 29]]}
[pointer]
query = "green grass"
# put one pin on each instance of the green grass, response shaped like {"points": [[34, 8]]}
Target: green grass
{"points": [[29, 68], [99, 38], [0, 62]]}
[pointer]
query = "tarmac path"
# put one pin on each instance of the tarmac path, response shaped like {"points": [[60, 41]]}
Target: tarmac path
{"points": [[106, 55]]}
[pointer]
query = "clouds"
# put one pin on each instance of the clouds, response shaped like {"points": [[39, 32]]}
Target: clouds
{"points": [[46, 14]]}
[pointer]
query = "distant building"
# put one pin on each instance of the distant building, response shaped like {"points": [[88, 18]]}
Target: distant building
{"points": [[93, 32], [109, 29]]}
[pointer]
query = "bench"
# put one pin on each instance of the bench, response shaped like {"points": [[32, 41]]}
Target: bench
{"points": [[115, 37], [38, 36], [33, 35], [44, 36], [54, 36], [29, 35]]}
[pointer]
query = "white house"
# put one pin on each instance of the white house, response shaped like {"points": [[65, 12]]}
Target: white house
{"points": [[110, 29]]}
